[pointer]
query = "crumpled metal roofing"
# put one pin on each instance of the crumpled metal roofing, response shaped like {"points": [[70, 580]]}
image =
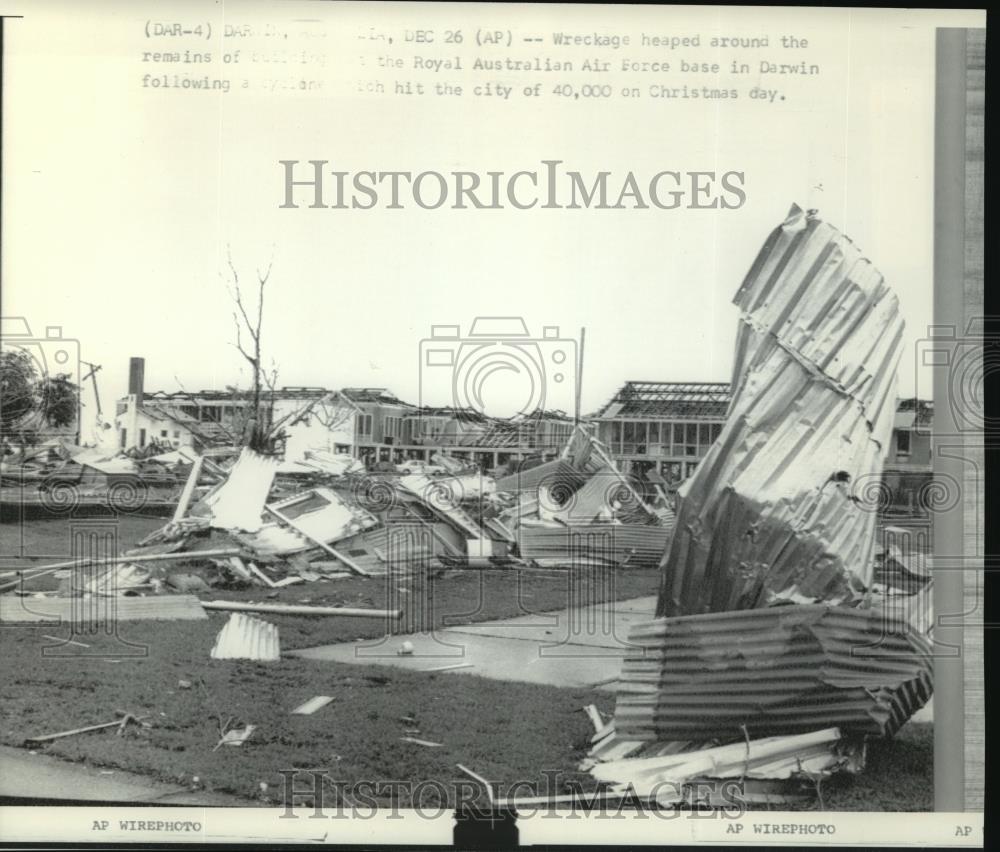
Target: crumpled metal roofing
{"points": [[247, 638], [239, 502], [775, 671], [776, 509]]}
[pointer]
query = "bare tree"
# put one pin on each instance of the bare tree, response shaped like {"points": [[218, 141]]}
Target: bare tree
{"points": [[249, 323]]}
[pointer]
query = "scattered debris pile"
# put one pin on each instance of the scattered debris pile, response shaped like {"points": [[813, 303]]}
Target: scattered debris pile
{"points": [[62, 475], [768, 622], [667, 775], [579, 509]]}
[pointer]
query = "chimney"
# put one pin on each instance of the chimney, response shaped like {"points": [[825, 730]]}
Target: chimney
{"points": [[136, 370]]}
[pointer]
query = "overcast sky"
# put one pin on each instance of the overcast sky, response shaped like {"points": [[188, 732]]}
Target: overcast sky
{"points": [[120, 201]]}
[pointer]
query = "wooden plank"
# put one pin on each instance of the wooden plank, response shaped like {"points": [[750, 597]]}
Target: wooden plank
{"points": [[239, 568], [357, 569], [309, 707], [450, 668], [480, 779], [188, 492], [120, 723], [14, 610], [260, 575], [415, 741], [595, 717], [294, 609]]}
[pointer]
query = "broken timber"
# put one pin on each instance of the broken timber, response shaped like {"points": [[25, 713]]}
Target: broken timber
{"points": [[189, 487], [120, 723], [294, 609]]}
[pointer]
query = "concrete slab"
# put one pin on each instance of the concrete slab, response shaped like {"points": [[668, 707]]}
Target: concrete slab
{"points": [[569, 648], [493, 657], [35, 775], [600, 627]]}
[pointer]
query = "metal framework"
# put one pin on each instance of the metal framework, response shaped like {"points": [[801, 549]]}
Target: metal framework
{"points": [[669, 399]]}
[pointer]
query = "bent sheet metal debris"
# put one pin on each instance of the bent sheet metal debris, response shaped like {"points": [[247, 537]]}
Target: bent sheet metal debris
{"points": [[781, 670], [774, 509], [767, 623], [247, 638]]}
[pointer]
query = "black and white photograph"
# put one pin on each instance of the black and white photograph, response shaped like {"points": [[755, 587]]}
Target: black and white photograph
{"points": [[486, 424]]}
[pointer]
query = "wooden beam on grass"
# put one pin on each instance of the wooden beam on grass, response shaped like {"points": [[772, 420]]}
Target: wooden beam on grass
{"points": [[295, 609]]}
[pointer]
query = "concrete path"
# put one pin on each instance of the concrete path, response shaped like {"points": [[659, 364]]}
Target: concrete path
{"points": [[570, 648], [39, 776]]}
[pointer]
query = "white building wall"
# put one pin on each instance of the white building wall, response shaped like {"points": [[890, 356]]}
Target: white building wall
{"points": [[326, 426]]}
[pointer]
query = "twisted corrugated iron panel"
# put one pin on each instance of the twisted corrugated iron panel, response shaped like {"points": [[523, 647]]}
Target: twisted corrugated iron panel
{"points": [[777, 508], [247, 638], [779, 670]]}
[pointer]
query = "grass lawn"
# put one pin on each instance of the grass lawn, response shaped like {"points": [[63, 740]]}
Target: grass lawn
{"points": [[506, 732]]}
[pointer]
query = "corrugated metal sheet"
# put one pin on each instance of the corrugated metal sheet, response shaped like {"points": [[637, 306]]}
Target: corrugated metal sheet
{"points": [[239, 503], [247, 638], [777, 507], [780, 670], [916, 608]]}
